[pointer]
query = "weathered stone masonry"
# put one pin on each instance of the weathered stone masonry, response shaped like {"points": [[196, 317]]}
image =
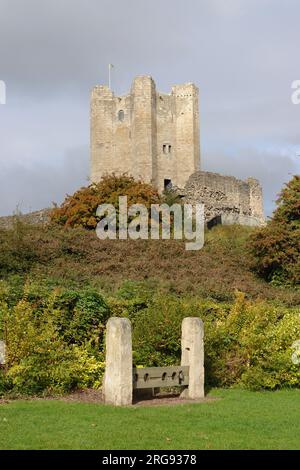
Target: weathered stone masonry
{"points": [[235, 200], [150, 135]]}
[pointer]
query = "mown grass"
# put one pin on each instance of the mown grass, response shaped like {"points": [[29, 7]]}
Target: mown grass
{"points": [[238, 420]]}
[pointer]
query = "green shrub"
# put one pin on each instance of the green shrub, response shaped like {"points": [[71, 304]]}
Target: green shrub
{"points": [[246, 343], [55, 369], [271, 366], [83, 315], [83, 312], [55, 338], [39, 359], [276, 248]]}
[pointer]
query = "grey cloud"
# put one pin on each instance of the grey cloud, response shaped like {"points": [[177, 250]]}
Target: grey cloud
{"points": [[41, 185], [241, 53]]}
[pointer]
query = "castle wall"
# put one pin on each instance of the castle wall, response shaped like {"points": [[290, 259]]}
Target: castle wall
{"points": [[187, 131], [143, 129], [237, 201], [166, 160], [256, 197], [120, 156], [111, 144]]}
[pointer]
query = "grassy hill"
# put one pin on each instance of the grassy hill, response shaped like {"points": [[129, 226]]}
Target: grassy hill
{"points": [[76, 257]]}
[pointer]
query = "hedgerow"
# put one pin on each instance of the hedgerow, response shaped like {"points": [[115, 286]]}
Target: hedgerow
{"points": [[56, 338]]}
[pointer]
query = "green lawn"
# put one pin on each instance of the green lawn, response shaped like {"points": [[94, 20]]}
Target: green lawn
{"points": [[239, 420]]}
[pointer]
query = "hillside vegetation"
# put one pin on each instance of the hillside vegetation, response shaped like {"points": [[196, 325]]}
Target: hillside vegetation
{"points": [[76, 257]]}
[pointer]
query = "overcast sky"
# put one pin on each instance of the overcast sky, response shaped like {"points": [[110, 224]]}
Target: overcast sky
{"points": [[242, 54]]}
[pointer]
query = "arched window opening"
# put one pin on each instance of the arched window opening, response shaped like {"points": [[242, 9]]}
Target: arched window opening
{"points": [[121, 115], [167, 148]]}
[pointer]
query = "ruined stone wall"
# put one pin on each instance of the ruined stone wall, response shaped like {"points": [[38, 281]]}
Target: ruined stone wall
{"points": [[150, 135], [41, 217], [256, 197], [237, 201]]}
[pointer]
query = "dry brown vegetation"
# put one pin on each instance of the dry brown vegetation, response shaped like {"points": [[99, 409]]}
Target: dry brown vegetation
{"points": [[78, 257]]}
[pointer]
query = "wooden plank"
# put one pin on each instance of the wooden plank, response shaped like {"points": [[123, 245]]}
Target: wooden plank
{"points": [[151, 377]]}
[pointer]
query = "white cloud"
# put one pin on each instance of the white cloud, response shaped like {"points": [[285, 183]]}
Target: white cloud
{"points": [[229, 8]]}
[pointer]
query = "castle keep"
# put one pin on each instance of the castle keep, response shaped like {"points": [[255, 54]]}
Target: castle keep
{"points": [[155, 137], [150, 135]]}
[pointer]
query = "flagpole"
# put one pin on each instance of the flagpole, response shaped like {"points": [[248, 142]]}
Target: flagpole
{"points": [[109, 78]]}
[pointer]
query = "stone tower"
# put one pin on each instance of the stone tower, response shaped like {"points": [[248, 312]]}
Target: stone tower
{"points": [[149, 135]]}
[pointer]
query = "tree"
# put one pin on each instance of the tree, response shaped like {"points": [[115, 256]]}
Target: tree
{"points": [[288, 202], [79, 210], [276, 248]]}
